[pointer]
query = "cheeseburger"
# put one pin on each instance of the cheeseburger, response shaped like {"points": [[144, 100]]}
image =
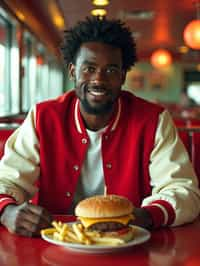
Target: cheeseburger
{"points": [[110, 215]]}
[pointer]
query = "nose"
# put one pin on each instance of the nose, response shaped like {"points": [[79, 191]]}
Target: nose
{"points": [[99, 77]]}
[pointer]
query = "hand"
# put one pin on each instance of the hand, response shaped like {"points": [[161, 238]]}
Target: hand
{"points": [[25, 219], [142, 218]]}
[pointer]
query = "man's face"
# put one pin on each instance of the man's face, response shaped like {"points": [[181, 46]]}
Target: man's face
{"points": [[98, 77]]}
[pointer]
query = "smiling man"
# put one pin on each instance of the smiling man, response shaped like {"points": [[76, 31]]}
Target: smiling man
{"points": [[96, 136], [98, 81]]}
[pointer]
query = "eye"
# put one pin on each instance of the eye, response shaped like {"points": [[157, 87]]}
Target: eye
{"points": [[88, 69], [112, 70]]}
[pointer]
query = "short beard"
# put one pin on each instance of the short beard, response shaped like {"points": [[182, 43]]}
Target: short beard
{"points": [[98, 110], [101, 110]]}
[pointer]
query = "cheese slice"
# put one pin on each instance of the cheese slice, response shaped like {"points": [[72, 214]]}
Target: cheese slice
{"points": [[90, 221]]}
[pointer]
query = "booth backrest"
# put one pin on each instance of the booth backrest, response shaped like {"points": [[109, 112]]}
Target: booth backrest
{"points": [[192, 122], [189, 135], [6, 129], [191, 139], [12, 119], [179, 122], [186, 122]]}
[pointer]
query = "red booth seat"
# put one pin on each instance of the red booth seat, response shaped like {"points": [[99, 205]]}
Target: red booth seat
{"points": [[189, 135], [191, 139], [19, 118], [6, 129]]}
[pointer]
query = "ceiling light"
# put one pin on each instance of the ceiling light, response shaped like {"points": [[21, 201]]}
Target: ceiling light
{"points": [[161, 58], [100, 12], [198, 67], [56, 15], [59, 21], [183, 49], [20, 15], [191, 32], [100, 2]]}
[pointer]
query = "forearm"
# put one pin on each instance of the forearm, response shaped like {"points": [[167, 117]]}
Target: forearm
{"points": [[177, 205], [172, 177], [19, 167], [5, 200]]}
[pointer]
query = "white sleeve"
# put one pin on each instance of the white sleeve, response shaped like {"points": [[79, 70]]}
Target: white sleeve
{"points": [[172, 175], [19, 167]]}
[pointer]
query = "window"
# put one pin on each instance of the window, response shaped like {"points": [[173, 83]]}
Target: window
{"points": [[42, 75], [41, 72], [192, 81], [9, 67], [56, 81], [193, 91], [3, 66], [29, 70]]}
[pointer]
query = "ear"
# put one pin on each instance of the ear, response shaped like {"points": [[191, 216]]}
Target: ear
{"points": [[71, 71]]}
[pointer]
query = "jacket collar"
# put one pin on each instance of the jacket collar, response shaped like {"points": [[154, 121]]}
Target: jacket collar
{"points": [[79, 122]]}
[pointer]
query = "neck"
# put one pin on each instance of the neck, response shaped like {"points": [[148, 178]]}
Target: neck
{"points": [[96, 122]]}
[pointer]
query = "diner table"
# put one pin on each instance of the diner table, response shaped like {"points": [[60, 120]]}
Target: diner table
{"points": [[177, 246]]}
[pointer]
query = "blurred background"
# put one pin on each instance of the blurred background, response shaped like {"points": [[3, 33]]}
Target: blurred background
{"points": [[167, 35]]}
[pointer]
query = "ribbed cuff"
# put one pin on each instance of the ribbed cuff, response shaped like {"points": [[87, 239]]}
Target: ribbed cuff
{"points": [[6, 200], [162, 213]]}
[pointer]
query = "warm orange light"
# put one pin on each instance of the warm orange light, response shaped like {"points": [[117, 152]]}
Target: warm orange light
{"points": [[59, 21], [39, 60], [198, 67], [20, 15], [191, 34], [99, 12], [56, 16], [100, 2], [183, 49], [161, 58]]}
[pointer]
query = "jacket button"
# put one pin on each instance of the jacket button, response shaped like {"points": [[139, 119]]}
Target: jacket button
{"points": [[106, 137], [68, 194], [76, 167], [109, 165], [84, 140]]}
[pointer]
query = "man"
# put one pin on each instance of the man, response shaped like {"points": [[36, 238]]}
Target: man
{"points": [[93, 137]]}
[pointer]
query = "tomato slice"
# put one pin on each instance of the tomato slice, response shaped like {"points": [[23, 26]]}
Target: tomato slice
{"points": [[123, 231]]}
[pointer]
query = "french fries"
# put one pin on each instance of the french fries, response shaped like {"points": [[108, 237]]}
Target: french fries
{"points": [[78, 229], [108, 241], [75, 233]]}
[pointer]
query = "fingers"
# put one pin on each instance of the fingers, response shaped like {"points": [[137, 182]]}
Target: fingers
{"points": [[25, 219], [38, 211], [24, 232], [142, 218], [31, 219]]}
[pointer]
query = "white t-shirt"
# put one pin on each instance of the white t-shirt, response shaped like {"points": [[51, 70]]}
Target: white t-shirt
{"points": [[91, 182]]}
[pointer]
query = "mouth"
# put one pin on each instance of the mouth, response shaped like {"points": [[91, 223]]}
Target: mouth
{"points": [[97, 92], [96, 99]]}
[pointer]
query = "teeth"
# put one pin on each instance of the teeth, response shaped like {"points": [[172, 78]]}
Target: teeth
{"points": [[97, 93]]}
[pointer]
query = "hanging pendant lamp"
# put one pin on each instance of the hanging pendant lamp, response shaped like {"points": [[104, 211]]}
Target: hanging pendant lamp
{"points": [[191, 32], [161, 58]]}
